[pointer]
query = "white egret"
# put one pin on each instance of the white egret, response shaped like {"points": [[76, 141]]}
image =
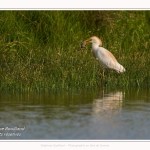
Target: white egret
{"points": [[106, 58]]}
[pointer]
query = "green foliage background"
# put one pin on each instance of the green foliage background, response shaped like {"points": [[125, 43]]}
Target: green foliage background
{"points": [[39, 50]]}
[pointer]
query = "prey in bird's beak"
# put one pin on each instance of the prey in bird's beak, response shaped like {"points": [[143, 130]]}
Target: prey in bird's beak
{"points": [[83, 44]]}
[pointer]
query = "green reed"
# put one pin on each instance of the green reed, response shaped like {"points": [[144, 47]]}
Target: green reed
{"points": [[40, 50]]}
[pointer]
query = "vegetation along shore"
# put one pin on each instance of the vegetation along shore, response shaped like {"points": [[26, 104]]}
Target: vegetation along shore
{"points": [[40, 50]]}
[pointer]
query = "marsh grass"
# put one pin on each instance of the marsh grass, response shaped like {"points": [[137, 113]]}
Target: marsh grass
{"points": [[40, 50]]}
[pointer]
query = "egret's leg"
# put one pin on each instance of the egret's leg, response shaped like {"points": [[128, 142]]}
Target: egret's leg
{"points": [[103, 74]]}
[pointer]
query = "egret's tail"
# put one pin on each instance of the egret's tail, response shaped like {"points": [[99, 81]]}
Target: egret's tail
{"points": [[120, 69]]}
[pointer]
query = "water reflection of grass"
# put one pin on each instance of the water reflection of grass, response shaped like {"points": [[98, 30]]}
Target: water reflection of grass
{"points": [[39, 49]]}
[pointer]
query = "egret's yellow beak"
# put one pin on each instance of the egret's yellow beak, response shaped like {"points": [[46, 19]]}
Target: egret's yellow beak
{"points": [[87, 41]]}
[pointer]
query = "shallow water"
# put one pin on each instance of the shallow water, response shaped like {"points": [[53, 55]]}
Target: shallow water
{"points": [[101, 115]]}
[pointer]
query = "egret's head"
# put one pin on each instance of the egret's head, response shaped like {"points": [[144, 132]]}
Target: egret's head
{"points": [[93, 40]]}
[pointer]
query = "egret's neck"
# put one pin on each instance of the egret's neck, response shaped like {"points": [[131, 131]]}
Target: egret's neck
{"points": [[95, 46]]}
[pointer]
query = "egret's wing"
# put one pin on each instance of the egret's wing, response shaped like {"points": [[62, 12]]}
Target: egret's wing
{"points": [[106, 58]]}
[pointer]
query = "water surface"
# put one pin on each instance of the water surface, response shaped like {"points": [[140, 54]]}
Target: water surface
{"points": [[100, 114]]}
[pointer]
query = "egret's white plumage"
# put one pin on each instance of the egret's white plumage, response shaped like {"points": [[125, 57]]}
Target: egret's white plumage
{"points": [[105, 57]]}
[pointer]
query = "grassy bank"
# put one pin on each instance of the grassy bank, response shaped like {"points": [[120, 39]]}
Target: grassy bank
{"points": [[39, 50]]}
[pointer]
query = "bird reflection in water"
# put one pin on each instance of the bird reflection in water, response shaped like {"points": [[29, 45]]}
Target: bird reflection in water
{"points": [[109, 101]]}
